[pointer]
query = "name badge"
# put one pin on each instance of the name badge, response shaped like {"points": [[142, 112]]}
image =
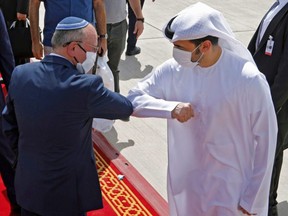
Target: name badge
{"points": [[269, 46]]}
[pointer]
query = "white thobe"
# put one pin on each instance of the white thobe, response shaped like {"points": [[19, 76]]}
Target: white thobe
{"points": [[222, 157]]}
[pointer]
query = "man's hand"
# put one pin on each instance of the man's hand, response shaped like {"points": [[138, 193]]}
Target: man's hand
{"points": [[102, 43], [37, 49], [139, 27], [21, 16], [183, 112]]}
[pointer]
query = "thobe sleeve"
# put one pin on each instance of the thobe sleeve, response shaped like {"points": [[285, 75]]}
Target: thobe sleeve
{"points": [[148, 97], [264, 130]]}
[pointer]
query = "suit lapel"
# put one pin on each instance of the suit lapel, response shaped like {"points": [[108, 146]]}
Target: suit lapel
{"points": [[273, 24]]}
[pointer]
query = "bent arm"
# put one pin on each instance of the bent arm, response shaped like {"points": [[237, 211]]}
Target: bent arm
{"points": [[149, 100]]}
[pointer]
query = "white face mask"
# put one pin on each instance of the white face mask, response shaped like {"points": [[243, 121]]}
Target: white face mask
{"points": [[184, 57], [89, 62]]}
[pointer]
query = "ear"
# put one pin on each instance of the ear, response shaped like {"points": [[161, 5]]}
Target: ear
{"points": [[206, 45], [71, 49]]}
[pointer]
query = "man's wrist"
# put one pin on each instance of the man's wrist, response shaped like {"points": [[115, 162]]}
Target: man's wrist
{"points": [[103, 36], [140, 19]]}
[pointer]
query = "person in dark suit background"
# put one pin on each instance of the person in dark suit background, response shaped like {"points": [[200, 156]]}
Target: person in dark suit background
{"points": [[131, 48], [269, 47], [15, 10], [50, 108], [7, 155]]}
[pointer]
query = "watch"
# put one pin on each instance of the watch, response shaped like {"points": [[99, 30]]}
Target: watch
{"points": [[103, 36], [140, 19]]}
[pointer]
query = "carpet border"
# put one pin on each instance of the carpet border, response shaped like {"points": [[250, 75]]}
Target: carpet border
{"points": [[135, 178]]}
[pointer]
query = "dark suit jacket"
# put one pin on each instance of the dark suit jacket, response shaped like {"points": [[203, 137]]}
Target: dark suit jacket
{"points": [[275, 67], [50, 107], [11, 7], [6, 67]]}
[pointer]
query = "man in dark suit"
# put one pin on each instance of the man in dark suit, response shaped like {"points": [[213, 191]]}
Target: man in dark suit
{"points": [[269, 47], [50, 108], [7, 156], [15, 10]]}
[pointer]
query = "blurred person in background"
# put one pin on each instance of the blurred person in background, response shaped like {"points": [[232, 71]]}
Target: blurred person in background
{"points": [[55, 11], [131, 48], [116, 14], [15, 10]]}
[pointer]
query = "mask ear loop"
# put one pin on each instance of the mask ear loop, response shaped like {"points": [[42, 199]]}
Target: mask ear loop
{"points": [[81, 48], [168, 31], [202, 54]]}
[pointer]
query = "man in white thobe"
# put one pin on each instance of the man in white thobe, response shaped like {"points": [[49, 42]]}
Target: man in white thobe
{"points": [[221, 121]]}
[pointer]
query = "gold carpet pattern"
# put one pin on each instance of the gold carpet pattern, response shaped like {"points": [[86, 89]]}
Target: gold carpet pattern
{"points": [[116, 192]]}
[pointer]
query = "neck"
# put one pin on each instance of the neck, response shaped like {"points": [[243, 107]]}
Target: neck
{"points": [[65, 55], [211, 57]]}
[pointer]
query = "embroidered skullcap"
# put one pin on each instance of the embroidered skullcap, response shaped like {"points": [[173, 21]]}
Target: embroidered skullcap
{"points": [[200, 20], [71, 23]]}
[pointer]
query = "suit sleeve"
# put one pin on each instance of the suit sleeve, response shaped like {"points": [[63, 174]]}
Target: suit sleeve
{"points": [[103, 103], [22, 6], [9, 124], [7, 63]]}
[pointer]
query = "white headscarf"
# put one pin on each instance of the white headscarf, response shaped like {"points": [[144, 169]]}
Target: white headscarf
{"points": [[198, 21]]}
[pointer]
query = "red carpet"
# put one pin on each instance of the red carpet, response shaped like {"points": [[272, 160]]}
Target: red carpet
{"points": [[4, 205], [132, 195]]}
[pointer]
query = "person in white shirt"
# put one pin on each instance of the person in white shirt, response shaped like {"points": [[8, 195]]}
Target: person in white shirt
{"points": [[221, 121]]}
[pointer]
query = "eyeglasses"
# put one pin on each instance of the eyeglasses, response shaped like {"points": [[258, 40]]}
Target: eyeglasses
{"points": [[95, 48]]}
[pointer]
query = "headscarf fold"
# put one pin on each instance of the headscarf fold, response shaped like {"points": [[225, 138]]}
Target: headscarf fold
{"points": [[198, 21]]}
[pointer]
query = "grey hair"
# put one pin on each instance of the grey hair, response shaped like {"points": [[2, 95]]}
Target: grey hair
{"points": [[61, 38]]}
